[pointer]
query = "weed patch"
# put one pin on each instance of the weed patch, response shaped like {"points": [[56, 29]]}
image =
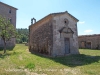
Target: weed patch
{"points": [[30, 66]]}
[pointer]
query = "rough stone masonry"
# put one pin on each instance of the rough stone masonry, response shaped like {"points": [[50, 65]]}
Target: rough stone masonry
{"points": [[54, 35], [89, 41]]}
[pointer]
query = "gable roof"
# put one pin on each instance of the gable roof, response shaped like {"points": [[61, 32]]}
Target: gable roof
{"points": [[8, 5], [64, 13], [52, 14]]}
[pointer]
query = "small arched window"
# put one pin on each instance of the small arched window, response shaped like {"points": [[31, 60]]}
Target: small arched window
{"points": [[66, 22]]}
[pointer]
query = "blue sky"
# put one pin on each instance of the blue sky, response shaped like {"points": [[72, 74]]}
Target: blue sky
{"points": [[87, 11]]}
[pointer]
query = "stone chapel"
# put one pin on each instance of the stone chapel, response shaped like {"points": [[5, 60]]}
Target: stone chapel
{"points": [[54, 35]]}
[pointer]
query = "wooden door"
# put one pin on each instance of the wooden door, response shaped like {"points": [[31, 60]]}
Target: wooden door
{"points": [[67, 46]]}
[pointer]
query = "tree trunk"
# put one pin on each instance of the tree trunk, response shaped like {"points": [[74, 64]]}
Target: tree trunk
{"points": [[4, 46]]}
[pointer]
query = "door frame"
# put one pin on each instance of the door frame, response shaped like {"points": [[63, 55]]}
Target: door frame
{"points": [[89, 43], [65, 45]]}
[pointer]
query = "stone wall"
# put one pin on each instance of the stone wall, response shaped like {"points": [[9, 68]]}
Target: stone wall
{"points": [[4, 11], [92, 40], [58, 38], [41, 40]]}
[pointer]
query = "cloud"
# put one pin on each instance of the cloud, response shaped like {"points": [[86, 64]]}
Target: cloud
{"points": [[88, 31], [81, 22]]}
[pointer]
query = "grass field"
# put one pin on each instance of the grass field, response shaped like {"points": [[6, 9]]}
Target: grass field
{"points": [[20, 61]]}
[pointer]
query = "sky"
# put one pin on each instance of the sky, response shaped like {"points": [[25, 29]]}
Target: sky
{"points": [[86, 11]]}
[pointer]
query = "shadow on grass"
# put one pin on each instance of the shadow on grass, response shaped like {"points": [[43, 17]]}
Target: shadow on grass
{"points": [[8, 48], [2, 55], [6, 54], [74, 60], [77, 60]]}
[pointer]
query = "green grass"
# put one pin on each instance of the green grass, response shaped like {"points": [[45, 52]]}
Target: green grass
{"points": [[20, 61]]}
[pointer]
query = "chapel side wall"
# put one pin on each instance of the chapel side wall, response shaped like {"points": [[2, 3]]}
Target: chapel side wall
{"points": [[41, 37], [58, 40]]}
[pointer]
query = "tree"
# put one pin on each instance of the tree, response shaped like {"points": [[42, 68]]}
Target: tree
{"points": [[7, 31], [22, 35]]}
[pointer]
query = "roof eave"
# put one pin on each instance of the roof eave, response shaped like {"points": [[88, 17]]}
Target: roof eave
{"points": [[8, 5]]}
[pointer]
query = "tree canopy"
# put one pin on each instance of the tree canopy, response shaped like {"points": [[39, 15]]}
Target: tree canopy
{"points": [[7, 30], [22, 35]]}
